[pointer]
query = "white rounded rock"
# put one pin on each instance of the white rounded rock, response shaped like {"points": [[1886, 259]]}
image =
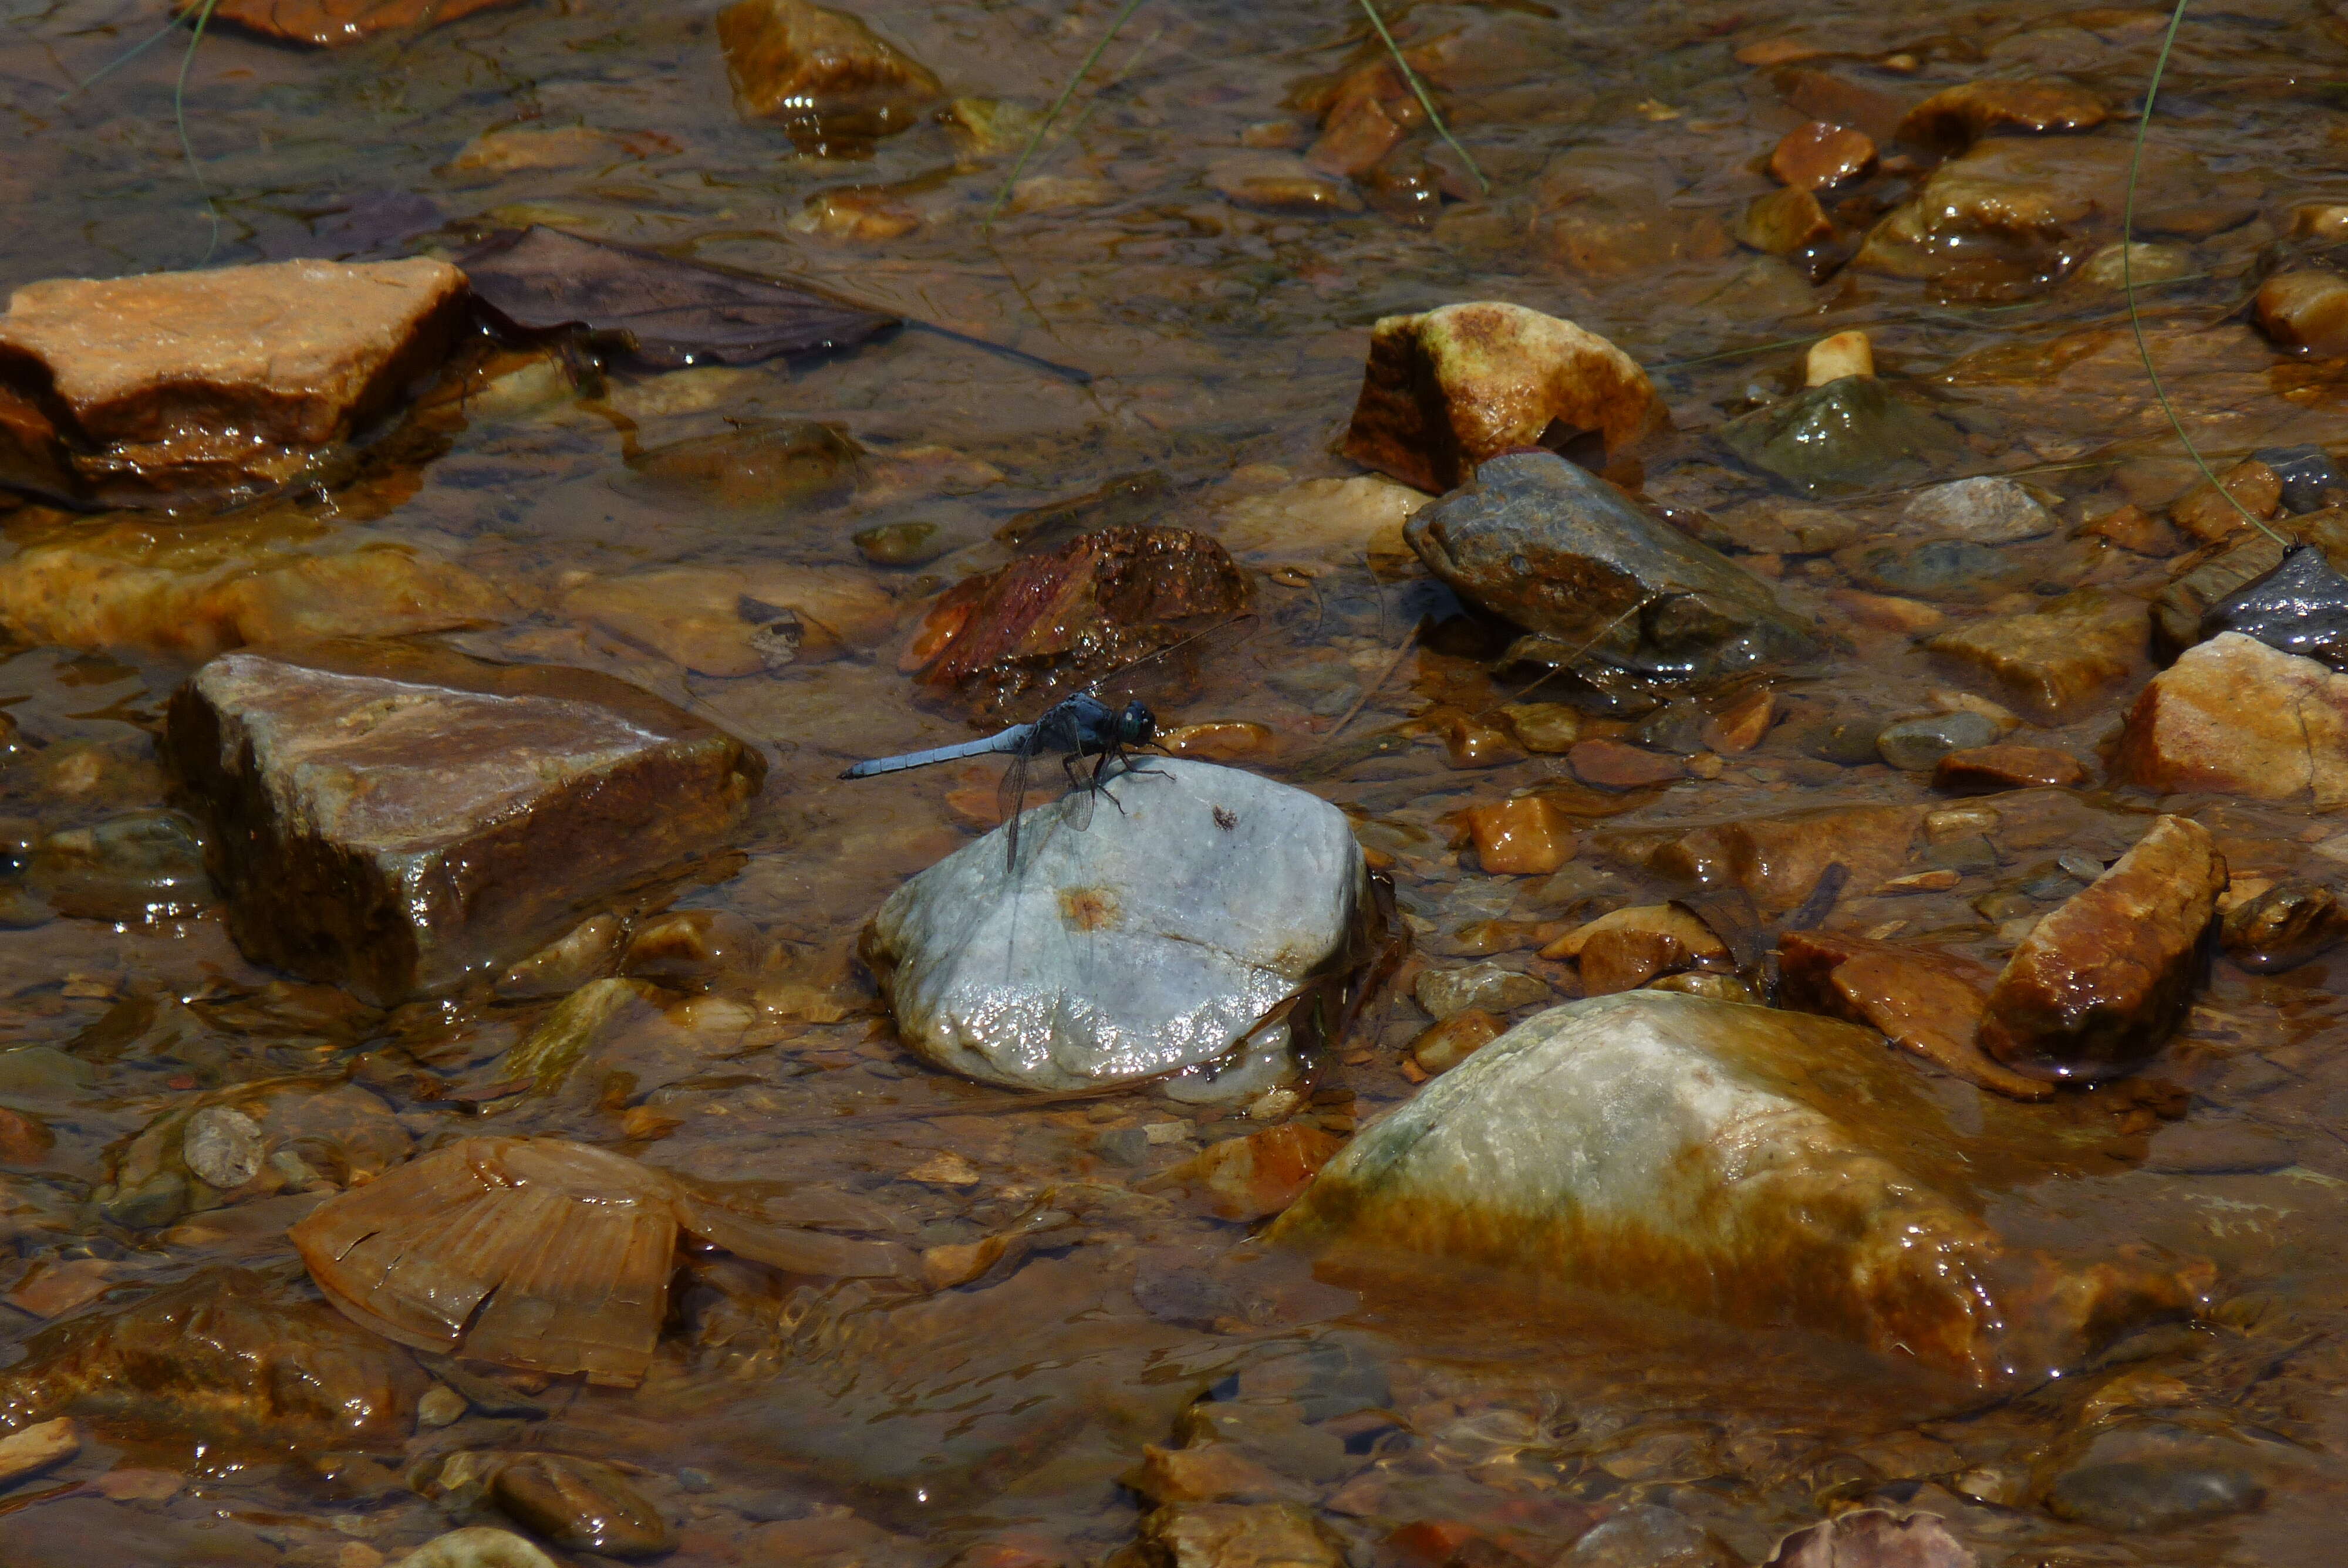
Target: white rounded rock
{"points": [[1150, 942], [223, 1147]]}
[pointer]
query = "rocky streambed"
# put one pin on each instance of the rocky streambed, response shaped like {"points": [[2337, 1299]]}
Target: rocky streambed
{"points": [[1715, 942]]}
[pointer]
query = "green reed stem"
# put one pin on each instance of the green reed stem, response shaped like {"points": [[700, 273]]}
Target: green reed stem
{"points": [[1045, 128]]}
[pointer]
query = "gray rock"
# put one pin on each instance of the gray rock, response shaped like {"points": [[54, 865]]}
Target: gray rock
{"points": [[1984, 509], [1149, 943], [2306, 472], [1590, 574], [1736, 1161], [2149, 1494], [1849, 434], [223, 1147], [1934, 569], [1784, 527], [1915, 744], [1443, 992], [142, 865]]}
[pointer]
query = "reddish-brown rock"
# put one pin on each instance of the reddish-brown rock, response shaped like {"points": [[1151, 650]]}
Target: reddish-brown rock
{"points": [[2209, 515], [1782, 222], [393, 819], [2281, 928], [25, 1138], [2096, 987], [1959, 116], [2233, 717], [327, 23], [1979, 770], [222, 383], [1920, 1000], [1446, 1043], [1815, 156], [1372, 111], [1780, 859], [1067, 616], [2133, 528], [1446, 390], [1526, 836], [1614, 765], [1248, 1178], [2306, 309], [2053, 662], [822, 75]]}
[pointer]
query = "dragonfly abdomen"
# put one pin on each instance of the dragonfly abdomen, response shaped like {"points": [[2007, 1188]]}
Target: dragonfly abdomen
{"points": [[1006, 740]]}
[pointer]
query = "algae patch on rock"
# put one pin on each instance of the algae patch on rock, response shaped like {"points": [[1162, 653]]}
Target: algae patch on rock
{"points": [[1762, 1168]]}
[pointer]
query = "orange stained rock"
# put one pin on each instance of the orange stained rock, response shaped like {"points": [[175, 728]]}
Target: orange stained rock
{"points": [[1781, 223], [1445, 390], [1959, 116], [2209, 515], [2233, 717], [1743, 724], [1526, 836], [1780, 859], [329, 24], [2053, 662], [2096, 986], [1248, 1178], [1691, 934], [1820, 154], [1469, 741], [1614, 765], [1831, 358], [1207, 1472], [2133, 528], [2306, 309], [1922, 999], [1980, 770], [1449, 1041], [1217, 741], [1623, 960], [1372, 111], [1887, 612], [820, 73]]}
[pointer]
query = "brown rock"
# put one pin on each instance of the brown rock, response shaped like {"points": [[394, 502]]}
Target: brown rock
{"points": [[1526, 836], [1669, 921], [1448, 1042], [579, 1504], [1372, 111], [1545, 727], [1920, 1000], [1979, 770], [1782, 222], [1888, 612], [28, 1450], [691, 950], [25, 1138], [2233, 717], [1873, 1538], [2133, 528], [2096, 987], [1963, 115], [1066, 617], [2053, 662], [1446, 390], [1780, 859], [822, 75], [1207, 1472], [2306, 309], [1607, 215], [393, 819], [1623, 960], [233, 585], [1817, 155], [1248, 1178], [1842, 99], [1238, 1535], [327, 23], [1612, 764], [1279, 182], [2012, 211], [2209, 515], [2283, 927], [1743, 724], [262, 369]]}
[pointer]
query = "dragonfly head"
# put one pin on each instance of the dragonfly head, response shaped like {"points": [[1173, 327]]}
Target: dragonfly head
{"points": [[1137, 726]]}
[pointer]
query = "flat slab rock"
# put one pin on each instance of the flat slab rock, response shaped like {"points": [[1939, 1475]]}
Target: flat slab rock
{"points": [[394, 819], [1149, 943], [1755, 1166], [126, 388]]}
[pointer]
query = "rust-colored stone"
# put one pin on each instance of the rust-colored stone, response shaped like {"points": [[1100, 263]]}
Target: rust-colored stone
{"points": [[220, 382], [1446, 390], [25, 1138], [1782, 222], [1207, 1472], [2133, 528], [1743, 724], [2306, 309], [327, 23], [1960, 116], [1626, 958], [1446, 1043], [822, 75], [1248, 1178], [1978, 770], [1780, 859], [1818, 155], [1526, 836], [2053, 662], [1888, 612], [2233, 717], [2097, 984], [2283, 927], [1067, 616], [1920, 1000], [2209, 515], [1374, 109], [393, 819], [1612, 765]]}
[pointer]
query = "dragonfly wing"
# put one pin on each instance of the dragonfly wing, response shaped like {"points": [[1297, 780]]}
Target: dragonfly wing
{"points": [[1078, 812]]}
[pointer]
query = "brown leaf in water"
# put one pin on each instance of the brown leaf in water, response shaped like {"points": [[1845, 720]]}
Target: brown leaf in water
{"points": [[669, 311], [329, 23]]}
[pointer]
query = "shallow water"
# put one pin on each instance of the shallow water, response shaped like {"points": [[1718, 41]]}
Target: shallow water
{"points": [[1222, 348]]}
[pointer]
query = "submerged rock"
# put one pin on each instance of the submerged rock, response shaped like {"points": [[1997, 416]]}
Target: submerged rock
{"points": [[2096, 986], [1818, 155], [140, 867], [262, 369], [1922, 999], [1063, 618], [735, 622], [1782, 859], [393, 819], [1963, 115], [1445, 391], [2052, 663], [1986, 509], [2281, 928], [1238, 1535], [2299, 607], [1151, 943], [822, 75], [477, 1546], [1762, 1167], [329, 24], [2233, 717], [1556, 549], [1851, 434], [756, 467], [578, 1504], [2306, 309]]}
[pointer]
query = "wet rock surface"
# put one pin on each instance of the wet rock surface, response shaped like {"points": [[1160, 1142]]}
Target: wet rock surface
{"points": [[1586, 1145], [820, 74], [260, 369], [1556, 550], [494, 802], [2233, 717], [1149, 942]]}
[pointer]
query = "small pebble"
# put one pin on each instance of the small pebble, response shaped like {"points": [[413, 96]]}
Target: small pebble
{"points": [[1913, 745], [2085, 867], [441, 1406]]}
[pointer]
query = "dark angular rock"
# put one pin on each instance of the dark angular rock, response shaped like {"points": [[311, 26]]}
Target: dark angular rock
{"points": [[2283, 927], [393, 819], [1850, 434], [1556, 549], [2300, 607], [2309, 478]]}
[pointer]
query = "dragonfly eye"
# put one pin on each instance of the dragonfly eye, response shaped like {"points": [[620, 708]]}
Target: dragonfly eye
{"points": [[1138, 722]]}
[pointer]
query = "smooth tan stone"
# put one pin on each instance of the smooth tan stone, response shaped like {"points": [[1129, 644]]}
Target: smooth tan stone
{"points": [[2306, 309], [1820, 154], [819, 73], [2055, 663], [2233, 717]]}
